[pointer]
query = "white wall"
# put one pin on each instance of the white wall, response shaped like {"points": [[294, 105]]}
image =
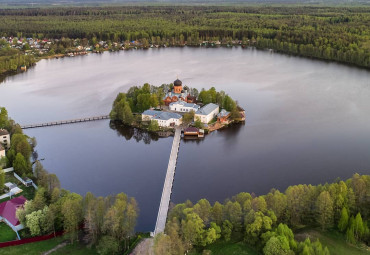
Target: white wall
{"points": [[181, 108], [207, 118]]}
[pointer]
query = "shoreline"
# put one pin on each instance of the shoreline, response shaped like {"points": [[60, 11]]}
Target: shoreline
{"points": [[6, 74]]}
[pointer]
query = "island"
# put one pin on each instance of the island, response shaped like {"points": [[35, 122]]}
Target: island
{"points": [[162, 108]]}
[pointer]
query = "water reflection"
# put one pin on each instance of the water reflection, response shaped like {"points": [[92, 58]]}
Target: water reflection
{"points": [[133, 133]]}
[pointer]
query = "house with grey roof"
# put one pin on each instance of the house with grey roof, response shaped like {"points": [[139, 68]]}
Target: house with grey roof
{"points": [[164, 119], [181, 106], [207, 113]]}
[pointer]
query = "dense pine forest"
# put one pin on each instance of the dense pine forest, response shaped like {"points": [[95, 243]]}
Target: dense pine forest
{"points": [[332, 33]]}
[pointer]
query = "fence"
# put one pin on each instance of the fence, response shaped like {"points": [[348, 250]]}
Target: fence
{"points": [[7, 170], [19, 179], [30, 240]]}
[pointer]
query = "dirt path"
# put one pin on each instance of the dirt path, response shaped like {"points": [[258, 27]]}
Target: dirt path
{"points": [[145, 247], [55, 248]]}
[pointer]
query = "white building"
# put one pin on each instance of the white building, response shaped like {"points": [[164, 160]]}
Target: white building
{"points": [[164, 119], [207, 113], [5, 138], [181, 106]]}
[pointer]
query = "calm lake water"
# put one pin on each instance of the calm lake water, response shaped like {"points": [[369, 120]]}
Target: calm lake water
{"points": [[307, 122]]}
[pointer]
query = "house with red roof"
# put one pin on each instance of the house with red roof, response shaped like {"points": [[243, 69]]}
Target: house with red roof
{"points": [[8, 211]]}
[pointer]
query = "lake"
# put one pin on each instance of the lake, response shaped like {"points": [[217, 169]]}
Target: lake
{"points": [[308, 121]]}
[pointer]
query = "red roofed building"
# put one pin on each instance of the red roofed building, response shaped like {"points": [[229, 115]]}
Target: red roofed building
{"points": [[9, 208]]}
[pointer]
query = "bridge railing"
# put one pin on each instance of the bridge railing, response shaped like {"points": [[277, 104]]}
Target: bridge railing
{"points": [[63, 122]]}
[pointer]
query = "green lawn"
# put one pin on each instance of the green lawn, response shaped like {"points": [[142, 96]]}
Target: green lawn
{"points": [[228, 248], [40, 247], [32, 248], [75, 249], [335, 242], [6, 233]]}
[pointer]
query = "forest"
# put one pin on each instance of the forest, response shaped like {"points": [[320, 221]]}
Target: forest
{"points": [[340, 34], [269, 222]]}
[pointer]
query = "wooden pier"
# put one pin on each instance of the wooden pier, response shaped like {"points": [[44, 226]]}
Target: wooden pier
{"points": [[167, 187], [64, 122]]}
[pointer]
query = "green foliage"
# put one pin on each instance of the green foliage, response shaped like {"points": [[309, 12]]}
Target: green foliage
{"points": [[188, 117], [227, 228], [39, 222], [72, 214], [12, 59], [203, 209], [277, 245], [20, 165], [343, 222], [153, 126], [108, 245], [121, 110], [324, 206], [198, 124]]}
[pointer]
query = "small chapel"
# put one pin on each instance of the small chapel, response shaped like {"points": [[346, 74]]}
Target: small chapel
{"points": [[178, 93]]}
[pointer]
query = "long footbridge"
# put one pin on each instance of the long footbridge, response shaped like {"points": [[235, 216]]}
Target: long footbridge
{"points": [[63, 122], [167, 187]]}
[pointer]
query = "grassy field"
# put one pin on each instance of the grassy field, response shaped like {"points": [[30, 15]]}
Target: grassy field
{"points": [[6, 233], [335, 242], [40, 247], [32, 248], [228, 248]]}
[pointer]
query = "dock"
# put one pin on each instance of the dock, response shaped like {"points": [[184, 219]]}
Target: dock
{"points": [[167, 187], [64, 122]]}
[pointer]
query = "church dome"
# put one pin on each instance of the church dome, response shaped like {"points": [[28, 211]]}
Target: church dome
{"points": [[177, 83]]}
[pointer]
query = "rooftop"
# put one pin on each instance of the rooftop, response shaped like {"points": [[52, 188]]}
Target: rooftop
{"points": [[183, 103], [207, 109], [4, 132], [159, 115], [9, 208], [223, 113], [191, 129]]}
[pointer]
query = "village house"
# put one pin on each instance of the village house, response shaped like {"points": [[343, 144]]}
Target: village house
{"points": [[207, 113], [164, 119], [8, 212], [182, 106], [5, 138], [223, 116], [178, 94]]}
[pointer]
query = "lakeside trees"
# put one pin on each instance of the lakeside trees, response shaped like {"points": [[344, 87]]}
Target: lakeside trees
{"points": [[267, 222], [332, 33], [21, 146], [12, 59]]}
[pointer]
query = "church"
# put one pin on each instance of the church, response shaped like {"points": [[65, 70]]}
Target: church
{"points": [[178, 93]]}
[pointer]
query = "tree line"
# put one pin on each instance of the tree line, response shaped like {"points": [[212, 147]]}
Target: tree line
{"points": [[332, 33], [12, 59], [267, 222]]}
